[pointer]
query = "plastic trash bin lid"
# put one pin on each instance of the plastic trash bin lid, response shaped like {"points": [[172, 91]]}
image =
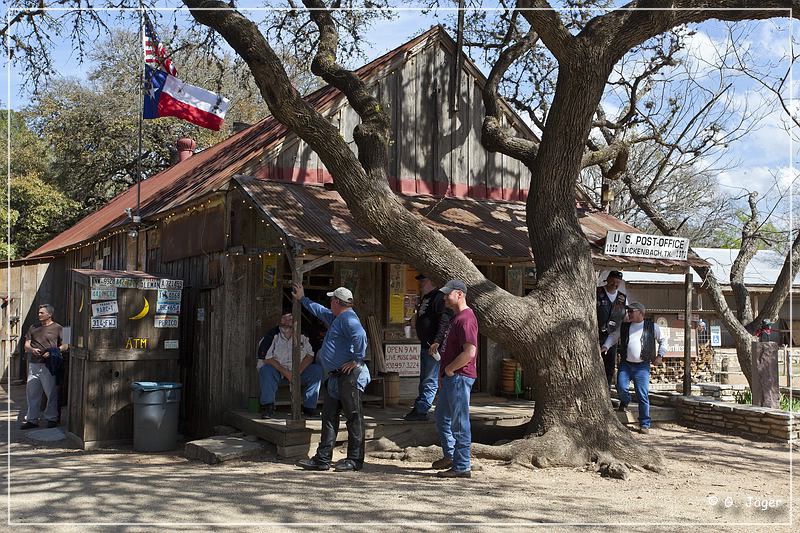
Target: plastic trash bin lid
{"points": [[155, 385]]}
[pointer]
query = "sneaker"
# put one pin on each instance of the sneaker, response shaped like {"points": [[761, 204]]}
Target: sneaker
{"points": [[443, 463], [416, 416], [52, 423], [28, 425], [644, 430], [623, 408], [313, 464], [347, 465], [454, 473], [267, 410]]}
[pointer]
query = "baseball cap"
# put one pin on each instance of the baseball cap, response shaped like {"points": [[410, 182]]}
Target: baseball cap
{"points": [[454, 285], [614, 274], [344, 294], [420, 277], [637, 306]]}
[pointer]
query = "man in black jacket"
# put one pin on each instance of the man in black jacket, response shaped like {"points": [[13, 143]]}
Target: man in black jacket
{"points": [[610, 311], [433, 319]]}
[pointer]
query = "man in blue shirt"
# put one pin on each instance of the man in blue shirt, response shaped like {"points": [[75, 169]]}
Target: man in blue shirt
{"points": [[342, 358]]}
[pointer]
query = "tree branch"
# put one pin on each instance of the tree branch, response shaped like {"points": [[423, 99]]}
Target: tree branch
{"points": [[493, 136], [547, 24], [746, 253], [640, 20]]}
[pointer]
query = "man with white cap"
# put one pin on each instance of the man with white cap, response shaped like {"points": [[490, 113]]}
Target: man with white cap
{"points": [[342, 357]]}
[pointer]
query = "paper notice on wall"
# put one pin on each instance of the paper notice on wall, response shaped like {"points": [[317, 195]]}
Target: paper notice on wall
{"points": [[403, 359]]}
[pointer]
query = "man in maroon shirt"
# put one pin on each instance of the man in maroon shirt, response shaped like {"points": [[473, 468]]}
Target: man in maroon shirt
{"points": [[458, 372]]}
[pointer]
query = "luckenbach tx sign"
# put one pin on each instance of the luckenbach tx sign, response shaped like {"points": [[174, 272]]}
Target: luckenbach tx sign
{"points": [[642, 245]]}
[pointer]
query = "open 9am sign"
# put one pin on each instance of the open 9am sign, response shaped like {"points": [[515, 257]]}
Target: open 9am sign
{"points": [[403, 359]]}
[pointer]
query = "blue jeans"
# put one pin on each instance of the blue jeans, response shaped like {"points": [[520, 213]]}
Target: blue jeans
{"points": [[269, 378], [428, 380], [452, 419], [640, 374]]}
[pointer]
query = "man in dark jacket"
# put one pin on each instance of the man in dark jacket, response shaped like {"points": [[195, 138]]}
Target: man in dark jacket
{"points": [[433, 319], [610, 312]]}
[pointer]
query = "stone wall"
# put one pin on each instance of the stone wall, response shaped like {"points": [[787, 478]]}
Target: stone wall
{"points": [[709, 413]]}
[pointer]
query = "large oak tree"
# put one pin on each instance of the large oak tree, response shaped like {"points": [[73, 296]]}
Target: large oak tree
{"points": [[553, 329]]}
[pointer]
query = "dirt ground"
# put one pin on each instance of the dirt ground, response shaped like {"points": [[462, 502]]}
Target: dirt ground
{"points": [[713, 481]]}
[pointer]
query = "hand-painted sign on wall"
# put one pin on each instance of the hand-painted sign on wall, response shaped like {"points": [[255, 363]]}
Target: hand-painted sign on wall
{"points": [[104, 293], [403, 359], [166, 321], [135, 343], [104, 322], [105, 308]]}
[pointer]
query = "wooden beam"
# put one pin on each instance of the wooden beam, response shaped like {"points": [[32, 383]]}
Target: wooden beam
{"points": [[311, 265], [687, 337], [297, 277]]}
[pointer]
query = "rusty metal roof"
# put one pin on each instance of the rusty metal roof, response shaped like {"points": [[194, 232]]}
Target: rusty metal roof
{"points": [[318, 221], [192, 179]]}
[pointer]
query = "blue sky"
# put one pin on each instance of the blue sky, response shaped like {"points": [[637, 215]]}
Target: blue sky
{"points": [[754, 160]]}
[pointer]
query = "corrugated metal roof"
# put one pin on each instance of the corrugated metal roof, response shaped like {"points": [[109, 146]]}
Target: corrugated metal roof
{"points": [[762, 271], [318, 220], [207, 171]]}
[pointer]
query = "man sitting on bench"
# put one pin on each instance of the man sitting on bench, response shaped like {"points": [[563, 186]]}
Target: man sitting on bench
{"points": [[275, 366]]}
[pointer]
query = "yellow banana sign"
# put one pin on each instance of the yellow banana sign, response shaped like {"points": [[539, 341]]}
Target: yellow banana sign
{"points": [[143, 312]]}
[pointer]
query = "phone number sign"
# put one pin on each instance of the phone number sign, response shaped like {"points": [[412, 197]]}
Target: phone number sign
{"points": [[402, 358]]}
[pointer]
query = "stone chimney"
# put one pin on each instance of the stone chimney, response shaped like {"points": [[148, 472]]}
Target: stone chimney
{"points": [[185, 147]]}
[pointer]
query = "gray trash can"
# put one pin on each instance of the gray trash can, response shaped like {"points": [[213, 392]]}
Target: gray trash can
{"points": [[155, 415]]}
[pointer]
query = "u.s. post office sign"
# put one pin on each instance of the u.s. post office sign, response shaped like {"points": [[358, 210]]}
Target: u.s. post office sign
{"points": [[650, 246], [403, 359]]}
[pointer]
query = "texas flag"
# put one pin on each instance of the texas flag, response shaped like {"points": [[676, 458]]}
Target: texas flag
{"points": [[167, 96]]}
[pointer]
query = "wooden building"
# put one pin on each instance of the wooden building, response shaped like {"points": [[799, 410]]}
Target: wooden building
{"points": [[227, 220]]}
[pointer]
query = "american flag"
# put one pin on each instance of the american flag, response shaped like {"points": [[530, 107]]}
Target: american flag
{"points": [[155, 53]]}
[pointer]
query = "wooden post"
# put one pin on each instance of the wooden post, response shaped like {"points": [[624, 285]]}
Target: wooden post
{"points": [[687, 338], [297, 277]]}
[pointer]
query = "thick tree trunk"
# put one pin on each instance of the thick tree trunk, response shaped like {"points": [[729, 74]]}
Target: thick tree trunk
{"points": [[573, 422], [553, 330]]}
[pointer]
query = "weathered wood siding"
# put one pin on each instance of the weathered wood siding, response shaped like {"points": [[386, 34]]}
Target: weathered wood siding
{"points": [[435, 150]]}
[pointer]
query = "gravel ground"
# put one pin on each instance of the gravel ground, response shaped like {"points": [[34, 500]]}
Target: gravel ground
{"points": [[716, 482]]}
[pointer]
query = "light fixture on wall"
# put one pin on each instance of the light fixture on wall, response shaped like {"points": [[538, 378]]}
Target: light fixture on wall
{"points": [[606, 194]]}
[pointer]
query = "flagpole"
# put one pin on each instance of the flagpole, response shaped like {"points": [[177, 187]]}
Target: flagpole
{"points": [[141, 122]]}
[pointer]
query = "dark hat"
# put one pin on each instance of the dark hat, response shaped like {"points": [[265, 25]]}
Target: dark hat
{"points": [[454, 285], [420, 277], [636, 305], [614, 274]]}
